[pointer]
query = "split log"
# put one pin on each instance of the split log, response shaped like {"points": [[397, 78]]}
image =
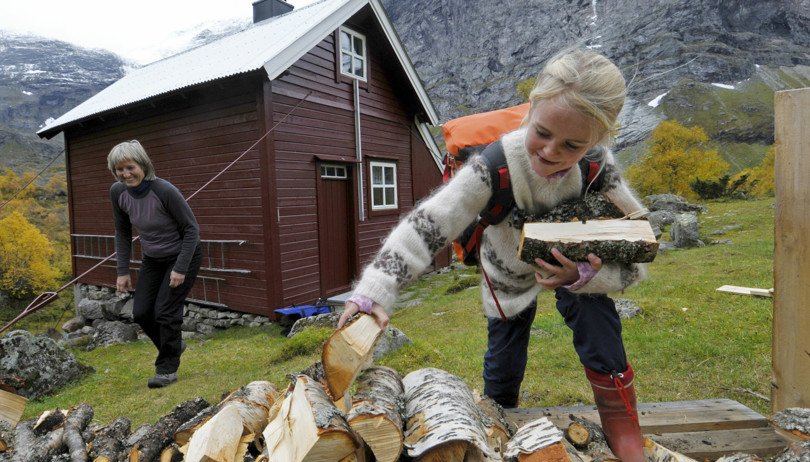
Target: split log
{"points": [[442, 421], [29, 446], [348, 351], [657, 453], [799, 450], [6, 435], [620, 241], [794, 420], [171, 453], [49, 421], [499, 430], [108, 442], [161, 434], [376, 413], [316, 372], [11, 407], [537, 441], [306, 425]]}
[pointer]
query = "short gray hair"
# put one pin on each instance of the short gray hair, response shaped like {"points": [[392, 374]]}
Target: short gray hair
{"points": [[130, 150]]}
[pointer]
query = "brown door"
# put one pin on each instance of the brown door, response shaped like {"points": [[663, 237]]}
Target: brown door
{"points": [[335, 229]]}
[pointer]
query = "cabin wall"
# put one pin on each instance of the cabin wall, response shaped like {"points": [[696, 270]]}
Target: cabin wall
{"points": [[190, 137]]}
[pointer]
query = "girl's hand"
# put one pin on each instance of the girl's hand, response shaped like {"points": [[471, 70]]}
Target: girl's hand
{"points": [[376, 310], [565, 274], [123, 284]]}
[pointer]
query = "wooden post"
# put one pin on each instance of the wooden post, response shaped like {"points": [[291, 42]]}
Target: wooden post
{"points": [[791, 344]]}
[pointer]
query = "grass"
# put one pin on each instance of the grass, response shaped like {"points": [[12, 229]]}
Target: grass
{"points": [[690, 342]]}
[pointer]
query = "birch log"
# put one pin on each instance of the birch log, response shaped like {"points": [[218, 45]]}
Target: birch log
{"points": [[621, 241], [656, 453], [588, 437], [442, 421], [348, 351], [537, 440], [499, 430], [308, 426], [376, 413], [794, 420]]}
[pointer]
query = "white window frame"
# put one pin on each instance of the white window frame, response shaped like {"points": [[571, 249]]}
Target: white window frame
{"points": [[352, 53], [383, 186], [334, 171]]}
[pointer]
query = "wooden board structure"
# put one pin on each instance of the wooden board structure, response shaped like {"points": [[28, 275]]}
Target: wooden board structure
{"points": [[701, 429], [791, 250], [11, 407], [746, 291]]}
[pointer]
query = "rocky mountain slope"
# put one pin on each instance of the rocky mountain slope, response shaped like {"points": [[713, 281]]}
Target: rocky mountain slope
{"points": [[712, 63]]}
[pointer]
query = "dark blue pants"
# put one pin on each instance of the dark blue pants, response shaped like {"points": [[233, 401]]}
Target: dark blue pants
{"points": [[597, 340], [158, 308]]}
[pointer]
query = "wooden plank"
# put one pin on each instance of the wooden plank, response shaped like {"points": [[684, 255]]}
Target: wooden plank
{"points": [[746, 291], [11, 407], [791, 344], [762, 441], [669, 417]]}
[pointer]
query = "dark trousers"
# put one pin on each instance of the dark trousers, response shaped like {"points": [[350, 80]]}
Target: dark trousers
{"points": [[597, 340], [158, 308]]}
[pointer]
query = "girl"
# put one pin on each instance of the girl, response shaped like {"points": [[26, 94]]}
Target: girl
{"points": [[574, 106]]}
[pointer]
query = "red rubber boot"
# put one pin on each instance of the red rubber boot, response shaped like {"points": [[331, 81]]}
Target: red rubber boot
{"points": [[616, 402]]}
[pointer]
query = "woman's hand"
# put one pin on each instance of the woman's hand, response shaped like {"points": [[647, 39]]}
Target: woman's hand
{"points": [[175, 279], [123, 284], [563, 275], [376, 310]]}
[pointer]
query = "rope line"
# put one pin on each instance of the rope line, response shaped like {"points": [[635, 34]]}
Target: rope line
{"points": [[45, 298], [32, 179]]}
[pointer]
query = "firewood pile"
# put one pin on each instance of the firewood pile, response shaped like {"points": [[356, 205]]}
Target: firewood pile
{"points": [[429, 415]]}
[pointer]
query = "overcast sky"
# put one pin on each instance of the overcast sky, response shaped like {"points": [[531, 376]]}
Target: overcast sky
{"points": [[134, 29]]}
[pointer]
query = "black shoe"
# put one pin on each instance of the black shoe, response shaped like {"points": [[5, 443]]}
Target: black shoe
{"points": [[162, 380]]}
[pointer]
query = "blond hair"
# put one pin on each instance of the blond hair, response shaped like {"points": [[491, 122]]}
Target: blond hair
{"points": [[130, 150], [588, 83]]}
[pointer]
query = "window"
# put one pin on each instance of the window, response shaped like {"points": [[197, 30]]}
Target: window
{"points": [[383, 186], [333, 171], [352, 54]]}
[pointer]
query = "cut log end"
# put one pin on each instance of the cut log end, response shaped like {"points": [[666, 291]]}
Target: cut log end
{"points": [[347, 352], [383, 436]]}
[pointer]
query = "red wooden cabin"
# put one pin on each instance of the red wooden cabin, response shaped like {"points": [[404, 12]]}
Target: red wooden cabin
{"points": [[347, 154]]}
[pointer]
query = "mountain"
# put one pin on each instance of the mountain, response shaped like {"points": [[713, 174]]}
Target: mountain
{"points": [[471, 55], [712, 63]]}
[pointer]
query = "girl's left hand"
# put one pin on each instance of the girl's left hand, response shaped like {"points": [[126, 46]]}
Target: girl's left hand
{"points": [[563, 275]]}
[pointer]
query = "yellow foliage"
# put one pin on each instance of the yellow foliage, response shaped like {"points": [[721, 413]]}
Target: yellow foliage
{"points": [[25, 258], [763, 175], [675, 157]]}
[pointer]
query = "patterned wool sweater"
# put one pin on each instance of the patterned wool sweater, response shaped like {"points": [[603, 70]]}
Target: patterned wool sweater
{"points": [[411, 246]]}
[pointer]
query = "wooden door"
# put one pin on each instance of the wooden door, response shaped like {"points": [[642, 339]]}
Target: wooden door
{"points": [[335, 228]]}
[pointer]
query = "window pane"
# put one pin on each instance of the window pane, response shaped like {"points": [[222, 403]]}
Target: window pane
{"points": [[389, 175], [346, 63], [358, 46], [358, 67], [376, 175], [389, 196], [345, 41], [377, 196], [323, 171]]}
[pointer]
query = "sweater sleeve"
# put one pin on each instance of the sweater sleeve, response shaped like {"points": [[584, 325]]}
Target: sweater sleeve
{"points": [[123, 231], [187, 226], [411, 246]]}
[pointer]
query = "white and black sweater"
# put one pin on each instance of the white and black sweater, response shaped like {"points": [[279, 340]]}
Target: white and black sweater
{"points": [[411, 246]]}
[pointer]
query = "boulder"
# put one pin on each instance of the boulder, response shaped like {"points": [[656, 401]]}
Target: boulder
{"points": [[112, 332], [684, 231], [40, 362]]}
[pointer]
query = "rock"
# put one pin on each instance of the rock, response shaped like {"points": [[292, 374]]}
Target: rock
{"points": [[391, 340], [672, 203], [91, 309], [112, 332], [73, 324], [326, 321], [43, 365], [684, 231], [626, 308]]}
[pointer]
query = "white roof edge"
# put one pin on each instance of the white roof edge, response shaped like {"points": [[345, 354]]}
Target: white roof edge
{"points": [[427, 137], [399, 49]]}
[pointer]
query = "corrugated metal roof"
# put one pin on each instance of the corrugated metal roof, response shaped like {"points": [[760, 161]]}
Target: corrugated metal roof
{"points": [[273, 44]]}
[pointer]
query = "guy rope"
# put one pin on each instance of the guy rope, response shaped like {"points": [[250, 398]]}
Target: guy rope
{"points": [[46, 298]]}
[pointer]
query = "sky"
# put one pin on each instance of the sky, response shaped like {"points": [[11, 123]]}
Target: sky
{"points": [[134, 29]]}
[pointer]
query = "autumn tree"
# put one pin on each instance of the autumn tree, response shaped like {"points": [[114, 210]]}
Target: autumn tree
{"points": [[762, 178], [676, 156], [25, 258]]}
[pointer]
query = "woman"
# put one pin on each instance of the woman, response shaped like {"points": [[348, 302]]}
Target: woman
{"points": [[172, 253], [574, 107]]}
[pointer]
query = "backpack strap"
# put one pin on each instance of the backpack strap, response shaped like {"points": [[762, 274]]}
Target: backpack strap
{"points": [[591, 179]]}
